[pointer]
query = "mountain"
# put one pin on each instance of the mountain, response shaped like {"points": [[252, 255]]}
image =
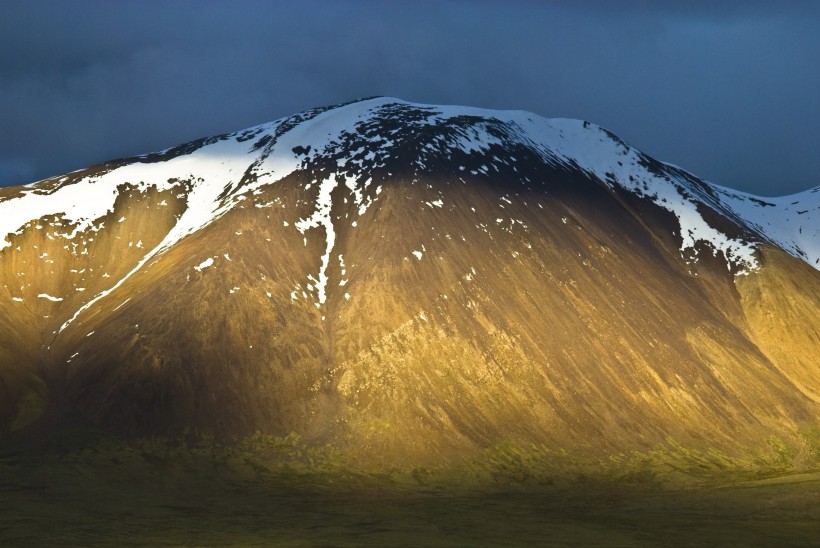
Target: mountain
{"points": [[412, 284]]}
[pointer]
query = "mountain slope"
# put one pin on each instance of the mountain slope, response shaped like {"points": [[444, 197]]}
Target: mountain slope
{"points": [[413, 284]]}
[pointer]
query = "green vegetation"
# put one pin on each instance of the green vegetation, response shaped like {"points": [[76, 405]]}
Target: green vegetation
{"points": [[95, 491]]}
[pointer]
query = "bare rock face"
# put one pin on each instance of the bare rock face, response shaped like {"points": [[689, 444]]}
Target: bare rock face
{"points": [[412, 284]]}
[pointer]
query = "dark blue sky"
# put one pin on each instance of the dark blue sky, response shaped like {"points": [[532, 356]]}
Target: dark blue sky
{"points": [[728, 90]]}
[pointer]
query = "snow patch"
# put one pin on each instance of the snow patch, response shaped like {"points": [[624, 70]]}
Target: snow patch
{"points": [[321, 217], [204, 264]]}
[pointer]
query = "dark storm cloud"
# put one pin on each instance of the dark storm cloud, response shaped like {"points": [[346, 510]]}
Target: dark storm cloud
{"points": [[727, 90]]}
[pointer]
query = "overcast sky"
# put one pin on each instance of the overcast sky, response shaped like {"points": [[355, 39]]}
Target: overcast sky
{"points": [[728, 90]]}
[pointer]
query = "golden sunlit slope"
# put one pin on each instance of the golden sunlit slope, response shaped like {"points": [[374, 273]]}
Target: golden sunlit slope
{"points": [[781, 305], [459, 309]]}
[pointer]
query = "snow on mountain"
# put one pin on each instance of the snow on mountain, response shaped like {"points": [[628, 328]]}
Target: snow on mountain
{"points": [[791, 222], [603, 155], [345, 145]]}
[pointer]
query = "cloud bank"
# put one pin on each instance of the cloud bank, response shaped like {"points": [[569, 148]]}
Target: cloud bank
{"points": [[728, 90]]}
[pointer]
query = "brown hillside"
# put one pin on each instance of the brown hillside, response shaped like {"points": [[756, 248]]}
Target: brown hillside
{"points": [[564, 318]]}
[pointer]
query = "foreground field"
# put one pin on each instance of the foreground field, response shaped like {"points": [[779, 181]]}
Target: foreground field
{"points": [[144, 494]]}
